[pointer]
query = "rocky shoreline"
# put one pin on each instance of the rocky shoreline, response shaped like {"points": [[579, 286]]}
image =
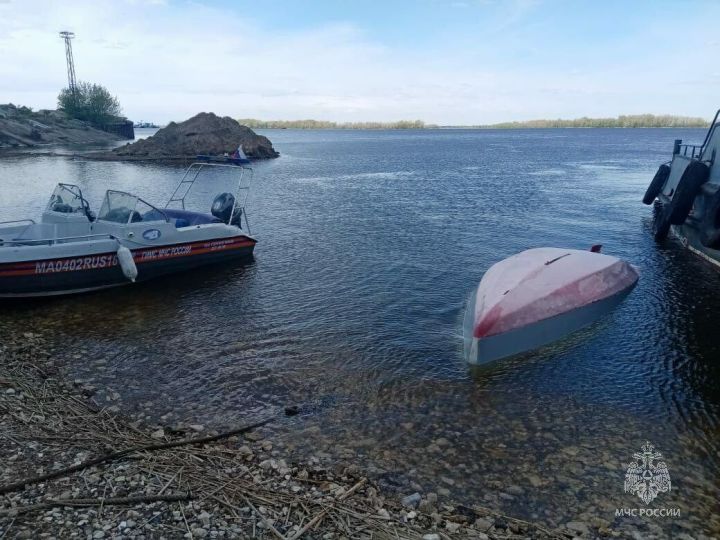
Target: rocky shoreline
{"points": [[27, 133], [76, 470], [20, 127]]}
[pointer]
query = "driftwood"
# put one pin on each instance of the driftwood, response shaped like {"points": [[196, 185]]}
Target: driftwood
{"points": [[317, 519], [289, 502], [15, 486], [110, 501]]}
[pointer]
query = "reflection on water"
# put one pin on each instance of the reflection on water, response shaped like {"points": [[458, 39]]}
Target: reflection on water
{"points": [[369, 245]]}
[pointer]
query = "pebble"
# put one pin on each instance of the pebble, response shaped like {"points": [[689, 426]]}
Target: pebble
{"points": [[412, 501], [535, 480], [452, 527], [577, 526], [329, 477], [204, 517]]}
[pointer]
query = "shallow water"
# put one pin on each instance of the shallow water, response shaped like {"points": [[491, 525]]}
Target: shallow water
{"points": [[369, 246]]}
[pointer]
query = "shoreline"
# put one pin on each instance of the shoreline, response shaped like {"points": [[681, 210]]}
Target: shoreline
{"points": [[157, 482]]}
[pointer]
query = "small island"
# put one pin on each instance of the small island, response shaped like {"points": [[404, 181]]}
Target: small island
{"points": [[204, 133]]}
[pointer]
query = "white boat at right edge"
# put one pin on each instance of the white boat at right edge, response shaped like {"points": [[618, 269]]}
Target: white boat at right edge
{"points": [[686, 193], [539, 296]]}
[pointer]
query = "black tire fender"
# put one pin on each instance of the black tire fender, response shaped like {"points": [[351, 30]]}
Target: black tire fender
{"points": [[710, 224], [657, 184], [661, 223], [695, 175]]}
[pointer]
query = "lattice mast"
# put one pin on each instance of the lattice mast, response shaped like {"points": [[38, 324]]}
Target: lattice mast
{"points": [[67, 36]]}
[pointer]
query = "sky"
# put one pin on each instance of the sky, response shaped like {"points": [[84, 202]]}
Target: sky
{"points": [[448, 62]]}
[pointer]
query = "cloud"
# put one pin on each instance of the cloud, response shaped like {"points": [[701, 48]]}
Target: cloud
{"points": [[167, 61]]}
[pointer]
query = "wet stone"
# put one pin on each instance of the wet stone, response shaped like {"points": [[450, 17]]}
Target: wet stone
{"points": [[577, 526], [411, 501]]}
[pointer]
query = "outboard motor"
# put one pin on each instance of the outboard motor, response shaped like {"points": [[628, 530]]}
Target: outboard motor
{"points": [[223, 205]]}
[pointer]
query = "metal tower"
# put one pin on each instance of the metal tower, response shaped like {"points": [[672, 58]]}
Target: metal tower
{"points": [[67, 36]]}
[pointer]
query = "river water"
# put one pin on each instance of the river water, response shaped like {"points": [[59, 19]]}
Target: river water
{"points": [[370, 243]]}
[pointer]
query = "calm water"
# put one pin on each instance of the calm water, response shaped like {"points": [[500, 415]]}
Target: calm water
{"points": [[369, 245]]}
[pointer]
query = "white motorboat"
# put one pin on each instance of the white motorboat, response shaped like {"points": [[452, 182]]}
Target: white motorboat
{"points": [[71, 250], [539, 296]]}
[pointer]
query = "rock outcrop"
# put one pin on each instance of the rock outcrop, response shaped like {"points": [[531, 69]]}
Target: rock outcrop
{"points": [[20, 127], [205, 133]]}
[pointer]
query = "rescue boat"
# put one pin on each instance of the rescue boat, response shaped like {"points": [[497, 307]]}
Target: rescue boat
{"points": [[539, 296], [73, 250]]}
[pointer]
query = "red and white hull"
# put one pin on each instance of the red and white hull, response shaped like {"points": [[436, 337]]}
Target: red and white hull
{"points": [[95, 265], [541, 295]]}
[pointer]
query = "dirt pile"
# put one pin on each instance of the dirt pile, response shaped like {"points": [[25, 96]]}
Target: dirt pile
{"points": [[205, 133], [20, 127]]}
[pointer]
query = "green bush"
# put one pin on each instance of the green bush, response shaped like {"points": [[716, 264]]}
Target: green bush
{"points": [[90, 102]]}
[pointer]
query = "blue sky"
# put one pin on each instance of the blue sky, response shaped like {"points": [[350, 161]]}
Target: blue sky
{"points": [[443, 61]]}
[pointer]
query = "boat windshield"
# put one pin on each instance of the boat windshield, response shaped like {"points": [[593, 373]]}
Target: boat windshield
{"points": [[68, 199], [121, 207]]}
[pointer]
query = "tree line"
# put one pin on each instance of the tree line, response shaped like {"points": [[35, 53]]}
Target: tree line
{"points": [[324, 124], [623, 121]]}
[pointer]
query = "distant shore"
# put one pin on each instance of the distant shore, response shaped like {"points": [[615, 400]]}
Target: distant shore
{"points": [[623, 121]]}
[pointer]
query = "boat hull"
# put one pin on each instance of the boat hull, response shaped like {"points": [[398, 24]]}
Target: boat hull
{"points": [[689, 237], [83, 273], [488, 349]]}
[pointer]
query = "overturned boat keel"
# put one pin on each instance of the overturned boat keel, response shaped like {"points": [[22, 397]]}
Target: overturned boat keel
{"points": [[540, 296]]}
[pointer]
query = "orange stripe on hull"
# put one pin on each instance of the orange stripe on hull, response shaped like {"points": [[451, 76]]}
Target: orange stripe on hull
{"points": [[109, 260]]}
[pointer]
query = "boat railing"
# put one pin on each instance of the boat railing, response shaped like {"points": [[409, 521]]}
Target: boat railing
{"points": [[241, 191], [697, 151], [191, 175], [51, 241], [713, 125], [28, 221], [689, 150]]}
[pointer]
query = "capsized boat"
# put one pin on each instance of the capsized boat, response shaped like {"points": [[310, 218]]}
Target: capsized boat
{"points": [[72, 250], [539, 296]]}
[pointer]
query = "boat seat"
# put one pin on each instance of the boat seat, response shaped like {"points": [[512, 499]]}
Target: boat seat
{"points": [[182, 218]]}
